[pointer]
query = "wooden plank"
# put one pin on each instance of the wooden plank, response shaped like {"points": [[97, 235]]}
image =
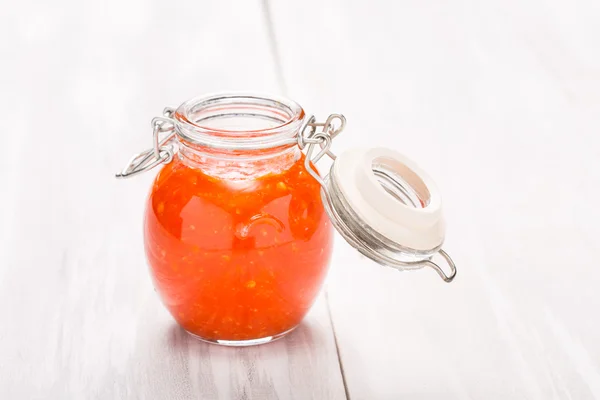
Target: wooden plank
{"points": [[496, 100], [79, 317]]}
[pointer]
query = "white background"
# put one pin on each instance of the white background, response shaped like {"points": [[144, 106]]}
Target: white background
{"points": [[498, 100]]}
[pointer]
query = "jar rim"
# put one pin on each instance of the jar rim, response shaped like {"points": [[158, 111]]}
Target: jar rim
{"points": [[193, 120]]}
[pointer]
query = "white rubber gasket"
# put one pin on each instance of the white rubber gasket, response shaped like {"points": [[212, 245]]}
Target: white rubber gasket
{"points": [[412, 227]]}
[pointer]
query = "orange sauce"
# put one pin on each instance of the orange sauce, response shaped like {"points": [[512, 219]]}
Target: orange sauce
{"points": [[237, 259]]}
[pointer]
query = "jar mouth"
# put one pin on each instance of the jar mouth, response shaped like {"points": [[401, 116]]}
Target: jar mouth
{"points": [[413, 194], [239, 121]]}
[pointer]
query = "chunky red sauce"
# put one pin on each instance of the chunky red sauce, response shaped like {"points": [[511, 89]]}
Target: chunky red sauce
{"points": [[237, 259]]}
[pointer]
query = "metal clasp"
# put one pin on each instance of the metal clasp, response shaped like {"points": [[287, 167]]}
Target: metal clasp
{"points": [[309, 137], [160, 153]]}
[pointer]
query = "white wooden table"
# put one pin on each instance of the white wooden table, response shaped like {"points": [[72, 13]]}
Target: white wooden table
{"points": [[498, 100]]}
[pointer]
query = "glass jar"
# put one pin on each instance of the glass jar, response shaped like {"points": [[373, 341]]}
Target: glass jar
{"points": [[238, 224], [237, 239]]}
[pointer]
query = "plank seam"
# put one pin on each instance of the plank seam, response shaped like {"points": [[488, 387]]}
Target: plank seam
{"points": [[337, 347], [273, 45]]}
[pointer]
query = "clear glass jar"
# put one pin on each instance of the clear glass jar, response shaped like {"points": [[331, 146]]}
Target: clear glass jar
{"points": [[237, 239], [238, 224]]}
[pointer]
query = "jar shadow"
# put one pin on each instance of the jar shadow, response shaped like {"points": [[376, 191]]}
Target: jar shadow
{"points": [[303, 335], [172, 361], [293, 363]]}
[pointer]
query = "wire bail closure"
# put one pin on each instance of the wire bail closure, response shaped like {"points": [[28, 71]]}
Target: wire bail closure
{"points": [[161, 152], [311, 134]]}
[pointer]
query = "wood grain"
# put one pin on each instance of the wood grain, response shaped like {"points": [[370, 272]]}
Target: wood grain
{"points": [[498, 101], [79, 317]]}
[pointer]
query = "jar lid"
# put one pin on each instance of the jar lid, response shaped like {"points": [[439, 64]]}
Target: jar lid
{"points": [[388, 208]]}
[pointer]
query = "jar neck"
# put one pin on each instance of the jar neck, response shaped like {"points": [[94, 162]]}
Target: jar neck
{"points": [[235, 165], [239, 136]]}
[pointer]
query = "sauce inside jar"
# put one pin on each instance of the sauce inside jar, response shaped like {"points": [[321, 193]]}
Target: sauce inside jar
{"points": [[237, 259]]}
